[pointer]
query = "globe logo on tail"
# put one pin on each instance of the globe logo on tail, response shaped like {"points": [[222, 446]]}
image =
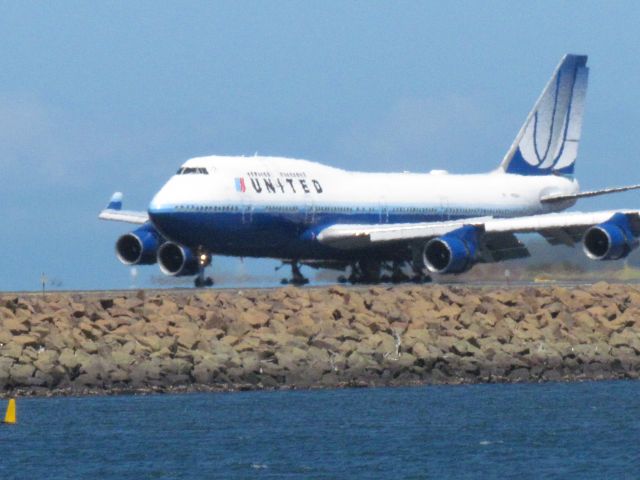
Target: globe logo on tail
{"points": [[548, 141]]}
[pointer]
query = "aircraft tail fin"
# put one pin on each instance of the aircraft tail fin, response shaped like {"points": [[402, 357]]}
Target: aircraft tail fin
{"points": [[548, 141]]}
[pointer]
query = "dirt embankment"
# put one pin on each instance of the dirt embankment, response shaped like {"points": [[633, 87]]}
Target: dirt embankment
{"points": [[321, 337]]}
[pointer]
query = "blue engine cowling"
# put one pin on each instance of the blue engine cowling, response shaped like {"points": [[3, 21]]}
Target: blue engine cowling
{"points": [[177, 260], [611, 240], [139, 247], [455, 252]]}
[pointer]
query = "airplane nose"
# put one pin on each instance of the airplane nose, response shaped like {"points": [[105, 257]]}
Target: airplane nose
{"points": [[157, 204], [162, 201], [160, 209]]}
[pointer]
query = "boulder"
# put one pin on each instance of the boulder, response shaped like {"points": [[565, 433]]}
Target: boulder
{"points": [[146, 372], [152, 342], [46, 360], [21, 374], [187, 338], [11, 350], [291, 359], [15, 326], [68, 359], [5, 370], [122, 359], [26, 340], [206, 370]]}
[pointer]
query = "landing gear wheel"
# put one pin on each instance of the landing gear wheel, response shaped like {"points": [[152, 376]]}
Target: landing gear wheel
{"points": [[367, 272], [397, 274], [298, 282], [201, 281], [421, 278], [204, 260], [297, 278]]}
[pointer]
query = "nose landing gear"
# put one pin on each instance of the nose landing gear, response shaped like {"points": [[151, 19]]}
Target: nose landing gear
{"points": [[204, 260]]}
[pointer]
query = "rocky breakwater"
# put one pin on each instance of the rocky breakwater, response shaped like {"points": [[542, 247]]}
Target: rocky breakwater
{"points": [[316, 337]]}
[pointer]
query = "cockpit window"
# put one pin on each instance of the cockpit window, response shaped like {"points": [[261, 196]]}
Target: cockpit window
{"points": [[192, 170]]}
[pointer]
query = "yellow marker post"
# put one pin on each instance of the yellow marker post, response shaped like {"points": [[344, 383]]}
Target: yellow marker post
{"points": [[10, 416]]}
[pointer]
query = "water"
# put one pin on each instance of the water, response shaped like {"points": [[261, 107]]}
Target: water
{"points": [[580, 430]]}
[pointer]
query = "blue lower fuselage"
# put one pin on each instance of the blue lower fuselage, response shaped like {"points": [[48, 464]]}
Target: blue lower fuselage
{"points": [[276, 235]]}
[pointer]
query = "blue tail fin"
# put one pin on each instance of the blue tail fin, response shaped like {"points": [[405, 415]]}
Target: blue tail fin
{"points": [[548, 141]]}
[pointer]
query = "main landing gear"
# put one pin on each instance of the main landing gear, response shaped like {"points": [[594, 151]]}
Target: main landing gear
{"points": [[204, 260], [297, 278], [371, 272]]}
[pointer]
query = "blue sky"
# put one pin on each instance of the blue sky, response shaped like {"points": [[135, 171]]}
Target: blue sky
{"points": [[97, 97]]}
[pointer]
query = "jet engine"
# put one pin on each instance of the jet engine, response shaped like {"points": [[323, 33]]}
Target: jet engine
{"points": [[139, 247], [455, 252], [176, 260], [611, 240]]}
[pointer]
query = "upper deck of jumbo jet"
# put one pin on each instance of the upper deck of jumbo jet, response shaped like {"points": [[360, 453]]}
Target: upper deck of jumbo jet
{"points": [[247, 164], [264, 178], [284, 165]]}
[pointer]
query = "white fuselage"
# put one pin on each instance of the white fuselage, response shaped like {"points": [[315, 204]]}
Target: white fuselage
{"points": [[268, 206], [270, 183]]}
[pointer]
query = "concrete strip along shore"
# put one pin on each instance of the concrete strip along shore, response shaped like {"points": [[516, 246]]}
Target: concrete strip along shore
{"points": [[75, 343]]}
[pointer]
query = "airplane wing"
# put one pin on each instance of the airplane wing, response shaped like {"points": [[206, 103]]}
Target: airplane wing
{"points": [[498, 234], [115, 213], [587, 194]]}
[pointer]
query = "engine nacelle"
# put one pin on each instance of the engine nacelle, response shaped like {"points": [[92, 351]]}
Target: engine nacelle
{"points": [[611, 240], [176, 260], [455, 252], [139, 247]]}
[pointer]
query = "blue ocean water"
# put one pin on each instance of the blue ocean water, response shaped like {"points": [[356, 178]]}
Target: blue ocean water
{"points": [[571, 430]]}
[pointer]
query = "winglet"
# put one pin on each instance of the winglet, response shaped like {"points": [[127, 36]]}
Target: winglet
{"points": [[116, 202], [114, 212], [10, 416]]}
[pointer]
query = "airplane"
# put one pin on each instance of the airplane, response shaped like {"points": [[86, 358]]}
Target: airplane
{"points": [[383, 226]]}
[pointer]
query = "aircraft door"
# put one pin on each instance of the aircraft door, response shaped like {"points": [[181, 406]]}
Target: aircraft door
{"points": [[443, 208], [309, 210], [384, 210], [247, 211]]}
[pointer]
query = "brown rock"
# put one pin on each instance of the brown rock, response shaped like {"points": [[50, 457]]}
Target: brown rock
{"points": [[11, 350], [25, 340], [194, 313], [122, 359], [152, 342], [358, 362], [187, 338], [519, 375], [5, 369], [303, 326], [46, 360], [381, 342], [15, 326], [21, 374], [291, 358], [247, 344], [238, 328], [68, 359], [206, 370]]}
